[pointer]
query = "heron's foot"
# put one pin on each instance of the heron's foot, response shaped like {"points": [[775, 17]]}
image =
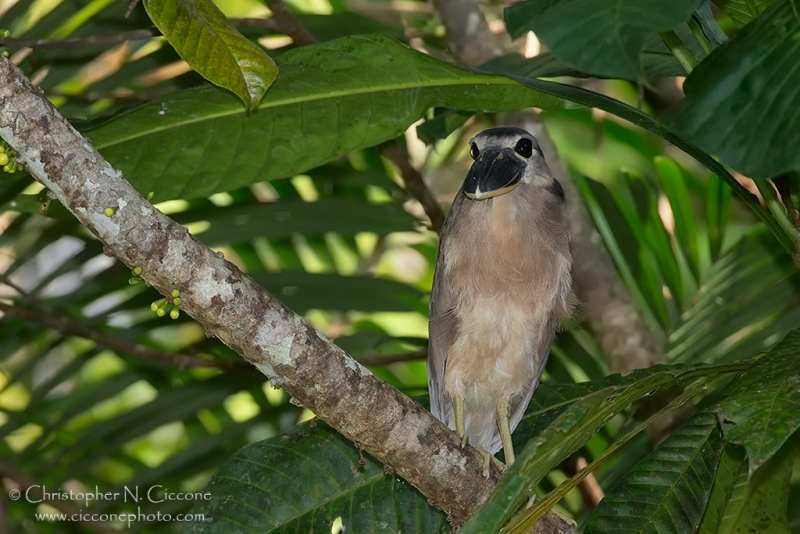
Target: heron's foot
{"points": [[490, 459]]}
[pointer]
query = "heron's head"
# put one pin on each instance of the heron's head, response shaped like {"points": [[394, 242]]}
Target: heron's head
{"points": [[504, 157]]}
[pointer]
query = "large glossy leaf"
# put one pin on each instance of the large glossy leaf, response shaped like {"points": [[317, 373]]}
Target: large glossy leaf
{"points": [[763, 406], [331, 98], [209, 43], [731, 474], [303, 481], [667, 492], [598, 36], [760, 504], [741, 102]]}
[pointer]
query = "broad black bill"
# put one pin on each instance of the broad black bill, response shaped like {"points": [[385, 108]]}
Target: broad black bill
{"points": [[495, 172]]}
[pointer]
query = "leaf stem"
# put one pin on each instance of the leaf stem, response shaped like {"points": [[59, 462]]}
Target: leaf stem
{"points": [[679, 50], [780, 214], [700, 36]]}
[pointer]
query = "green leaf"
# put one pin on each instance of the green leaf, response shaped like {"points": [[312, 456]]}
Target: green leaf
{"points": [[593, 194], [666, 492], [331, 98], [657, 62], [741, 102], [100, 440], [743, 11], [717, 206], [302, 291], [591, 99], [346, 216], [760, 505], [209, 43], [570, 429], [691, 235], [597, 36], [762, 409], [747, 301], [731, 473], [442, 124], [302, 481], [523, 522]]}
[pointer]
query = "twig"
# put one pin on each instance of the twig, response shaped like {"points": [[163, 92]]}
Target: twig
{"points": [[264, 24], [415, 184], [78, 42], [133, 35], [289, 24], [68, 327], [55, 320]]}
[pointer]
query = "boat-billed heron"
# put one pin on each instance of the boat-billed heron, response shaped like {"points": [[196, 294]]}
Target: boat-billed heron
{"points": [[502, 286]]}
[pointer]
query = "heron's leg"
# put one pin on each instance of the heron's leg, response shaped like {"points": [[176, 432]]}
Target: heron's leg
{"points": [[503, 415], [458, 412], [487, 459]]}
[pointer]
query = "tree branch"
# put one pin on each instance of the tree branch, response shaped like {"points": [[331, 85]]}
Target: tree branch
{"points": [[233, 307], [471, 40], [289, 24], [415, 184]]}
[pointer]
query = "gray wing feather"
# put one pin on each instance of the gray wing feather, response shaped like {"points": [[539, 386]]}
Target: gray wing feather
{"points": [[442, 327]]}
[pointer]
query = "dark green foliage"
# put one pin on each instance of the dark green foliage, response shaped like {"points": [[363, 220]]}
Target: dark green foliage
{"points": [[712, 269]]}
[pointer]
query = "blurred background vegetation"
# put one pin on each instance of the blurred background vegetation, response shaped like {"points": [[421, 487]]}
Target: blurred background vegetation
{"points": [[98, 391]]}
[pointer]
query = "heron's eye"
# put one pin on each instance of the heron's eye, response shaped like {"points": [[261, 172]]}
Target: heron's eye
{"points": [[524, 148], [473, 151]]}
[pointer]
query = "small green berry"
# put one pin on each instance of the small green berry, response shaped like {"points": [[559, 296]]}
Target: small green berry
{"points": [[137, 271], [135, 281], [161, 312], [109, 212], [175, 313], [150, 195], [175, 293], [177, 301], [3, 159], [160, 303]]}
